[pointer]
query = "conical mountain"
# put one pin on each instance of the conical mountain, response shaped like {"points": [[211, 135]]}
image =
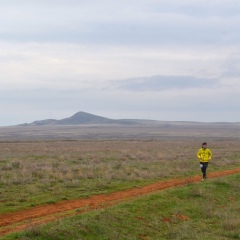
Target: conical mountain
{"points": [[83, 118]]}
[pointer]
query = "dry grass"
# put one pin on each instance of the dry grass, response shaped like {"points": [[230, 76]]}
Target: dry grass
{"points": [[49, 171]]}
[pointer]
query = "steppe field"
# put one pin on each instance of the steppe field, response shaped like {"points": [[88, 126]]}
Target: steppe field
{"points": [[44, 166]]}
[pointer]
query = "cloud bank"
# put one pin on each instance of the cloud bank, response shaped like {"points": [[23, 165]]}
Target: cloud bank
{"points": [[129, 59]]}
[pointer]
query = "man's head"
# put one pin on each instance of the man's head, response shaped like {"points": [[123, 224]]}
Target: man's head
{"points": [[204, 145]]}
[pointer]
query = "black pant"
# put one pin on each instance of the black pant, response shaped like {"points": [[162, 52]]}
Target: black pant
{"points": [[204, 166]]}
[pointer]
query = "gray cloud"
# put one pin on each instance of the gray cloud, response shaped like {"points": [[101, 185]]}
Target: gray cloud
{"points": [[198, 8], [153, 22], [123, 59], [210, 102], [161, 83]]}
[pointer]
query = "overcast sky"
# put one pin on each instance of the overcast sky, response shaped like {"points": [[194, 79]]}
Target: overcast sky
{"points": [[150, 59]]}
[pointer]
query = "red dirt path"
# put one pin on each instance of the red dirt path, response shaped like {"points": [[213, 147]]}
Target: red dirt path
{"points": [[20, 220]]}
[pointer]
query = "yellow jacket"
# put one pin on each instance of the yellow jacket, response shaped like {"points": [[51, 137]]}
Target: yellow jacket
{"points": [[204, 154]]}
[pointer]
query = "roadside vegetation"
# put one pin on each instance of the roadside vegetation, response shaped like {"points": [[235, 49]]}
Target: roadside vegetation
{"points": [[34, 173], [199, 211]]}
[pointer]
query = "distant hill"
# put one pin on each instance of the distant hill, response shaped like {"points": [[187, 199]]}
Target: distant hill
{"points": [[83, 118]]}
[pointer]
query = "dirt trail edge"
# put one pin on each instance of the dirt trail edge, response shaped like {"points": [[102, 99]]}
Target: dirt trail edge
{"points": [[20, 220]]}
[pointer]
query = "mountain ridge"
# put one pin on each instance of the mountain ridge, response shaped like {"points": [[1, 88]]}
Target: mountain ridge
{"points": [[84, 118]]}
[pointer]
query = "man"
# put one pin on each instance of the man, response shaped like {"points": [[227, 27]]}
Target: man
{"points": [[204, 154]]}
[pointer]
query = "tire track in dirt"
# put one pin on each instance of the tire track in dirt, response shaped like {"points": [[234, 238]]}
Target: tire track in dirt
{"points": [[16, 221]]}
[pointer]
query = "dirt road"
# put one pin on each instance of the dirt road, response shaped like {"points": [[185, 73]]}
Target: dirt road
{"points": [[17, 221]]}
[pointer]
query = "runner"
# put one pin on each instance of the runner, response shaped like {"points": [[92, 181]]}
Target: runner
{"points": [[204, 154]]}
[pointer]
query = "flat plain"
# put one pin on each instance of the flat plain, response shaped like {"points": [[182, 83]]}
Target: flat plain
{"points": [[47, 164], [150, 130]]}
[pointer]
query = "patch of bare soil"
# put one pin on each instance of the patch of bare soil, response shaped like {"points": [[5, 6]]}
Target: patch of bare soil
{"points": [[21, 220]]}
